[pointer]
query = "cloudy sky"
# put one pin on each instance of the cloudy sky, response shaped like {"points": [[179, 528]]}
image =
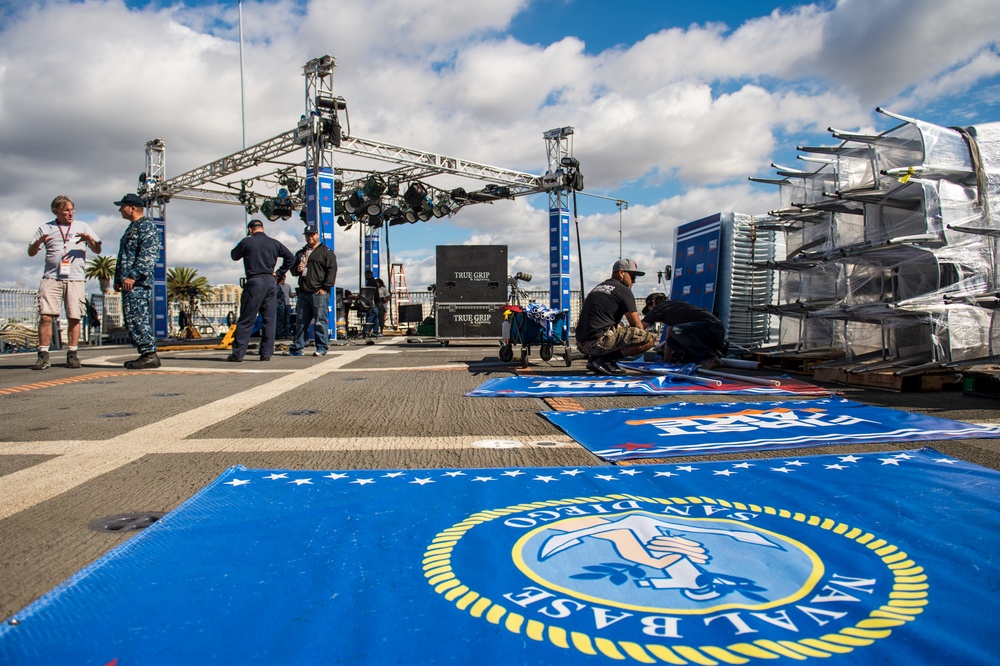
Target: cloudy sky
{"points": [[674, 105]]}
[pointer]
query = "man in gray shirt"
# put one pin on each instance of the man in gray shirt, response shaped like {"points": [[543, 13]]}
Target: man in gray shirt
{"points": [[66, 241]]}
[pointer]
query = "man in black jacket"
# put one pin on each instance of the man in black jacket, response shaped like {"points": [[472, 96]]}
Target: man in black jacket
{"points": [[693, 334], [316, 266], [259, 254]]}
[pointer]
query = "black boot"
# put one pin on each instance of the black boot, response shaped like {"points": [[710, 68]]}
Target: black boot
{"points": [[42, 362], [144, 362]]}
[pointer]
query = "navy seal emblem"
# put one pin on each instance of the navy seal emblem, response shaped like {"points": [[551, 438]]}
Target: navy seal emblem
{"points": [[676, 580]]}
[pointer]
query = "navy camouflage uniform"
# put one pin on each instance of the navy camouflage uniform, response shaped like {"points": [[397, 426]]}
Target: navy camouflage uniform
{"points": [[137, 254]]}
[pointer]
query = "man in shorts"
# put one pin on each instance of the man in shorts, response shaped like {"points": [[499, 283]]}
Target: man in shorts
{"points": [[598, 334], [66, 241]]}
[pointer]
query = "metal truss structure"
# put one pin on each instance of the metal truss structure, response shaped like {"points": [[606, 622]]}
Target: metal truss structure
{"points": [[218, 181], [315, 185]]}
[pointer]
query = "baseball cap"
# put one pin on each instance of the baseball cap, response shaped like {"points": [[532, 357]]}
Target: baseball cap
{"points": [[253, 224], [652, 299], [310, 229], [131, 199], [628, 266]]}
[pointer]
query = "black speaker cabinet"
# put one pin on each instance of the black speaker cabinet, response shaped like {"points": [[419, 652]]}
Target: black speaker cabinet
{"points": [[471, 274], [469, 320]]}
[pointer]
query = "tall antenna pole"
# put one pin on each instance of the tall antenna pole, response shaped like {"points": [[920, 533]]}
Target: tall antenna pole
{"points": [[243, 110]]}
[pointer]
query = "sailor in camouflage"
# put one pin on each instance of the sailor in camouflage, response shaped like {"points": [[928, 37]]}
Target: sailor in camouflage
{"points": [[137, 255]]}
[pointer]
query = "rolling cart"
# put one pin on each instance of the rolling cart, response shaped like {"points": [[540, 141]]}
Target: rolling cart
{"points": [[521, 329]]}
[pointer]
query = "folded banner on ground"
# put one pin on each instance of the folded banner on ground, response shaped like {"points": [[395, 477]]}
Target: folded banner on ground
{"points": [[689, 429], [884, 558], [592, 385]]}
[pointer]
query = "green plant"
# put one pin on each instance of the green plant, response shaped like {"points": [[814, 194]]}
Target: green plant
{"points": [[101, 268], [184, 284]]}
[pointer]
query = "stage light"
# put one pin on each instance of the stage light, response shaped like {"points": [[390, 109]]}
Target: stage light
{"points": [[287, 179], [279, 206], [373, 208], [421, 204], [346, 221], [354, 202], [374, 187], [574, 178], [330, 103], [410, 215], [443, 206], [394, 214], [415, 195]]}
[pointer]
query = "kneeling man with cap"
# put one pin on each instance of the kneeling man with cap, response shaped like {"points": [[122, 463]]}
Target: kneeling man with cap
{"points": [[693, 334], [598, 334]]}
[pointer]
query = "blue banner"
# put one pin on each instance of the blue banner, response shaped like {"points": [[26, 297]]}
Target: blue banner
{"points": [[591, 385], [688, 429], [696, 262], [884, 558]]}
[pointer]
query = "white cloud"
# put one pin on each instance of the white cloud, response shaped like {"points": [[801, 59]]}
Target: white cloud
{"points": [[679, 119]]}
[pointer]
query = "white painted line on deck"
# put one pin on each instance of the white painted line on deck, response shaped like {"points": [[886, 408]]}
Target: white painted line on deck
{"points": [[84, 461]]}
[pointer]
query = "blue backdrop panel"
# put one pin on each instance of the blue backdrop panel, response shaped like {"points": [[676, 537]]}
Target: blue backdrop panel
{"points": [[687, 429], [884, 558], [320, 212], [161, 309], [559, 298], [589, 386], [696, 262]]}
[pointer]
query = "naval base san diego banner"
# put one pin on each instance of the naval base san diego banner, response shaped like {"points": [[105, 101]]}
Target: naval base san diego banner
{"points": [[689, 429], [885, 558]]}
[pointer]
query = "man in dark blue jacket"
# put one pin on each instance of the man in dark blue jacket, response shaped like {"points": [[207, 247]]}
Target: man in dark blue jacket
{"points": [[259, 253]]}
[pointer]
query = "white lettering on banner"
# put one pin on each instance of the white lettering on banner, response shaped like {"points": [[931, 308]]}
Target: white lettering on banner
{"points": [[473, 318], [584, 384], [747, 421], [554, 606], [470, 275]]}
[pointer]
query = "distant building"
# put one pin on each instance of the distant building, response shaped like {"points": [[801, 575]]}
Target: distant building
{"points": [[226, 293]]}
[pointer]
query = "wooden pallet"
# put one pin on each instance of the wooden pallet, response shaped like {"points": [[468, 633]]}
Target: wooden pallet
{"points": [[932, 380], [801, 363]]}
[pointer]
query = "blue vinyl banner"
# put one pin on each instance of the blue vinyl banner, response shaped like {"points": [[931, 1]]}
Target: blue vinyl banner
{"points": [[592, 385], [696, 262], [689, 429], [883, 558]]}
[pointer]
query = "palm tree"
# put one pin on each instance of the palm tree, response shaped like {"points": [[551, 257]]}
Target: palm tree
{"points": [[101, 268], [185, 283]]}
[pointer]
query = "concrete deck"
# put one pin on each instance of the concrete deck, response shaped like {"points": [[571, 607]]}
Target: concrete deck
{"points": [[79, 445]]}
